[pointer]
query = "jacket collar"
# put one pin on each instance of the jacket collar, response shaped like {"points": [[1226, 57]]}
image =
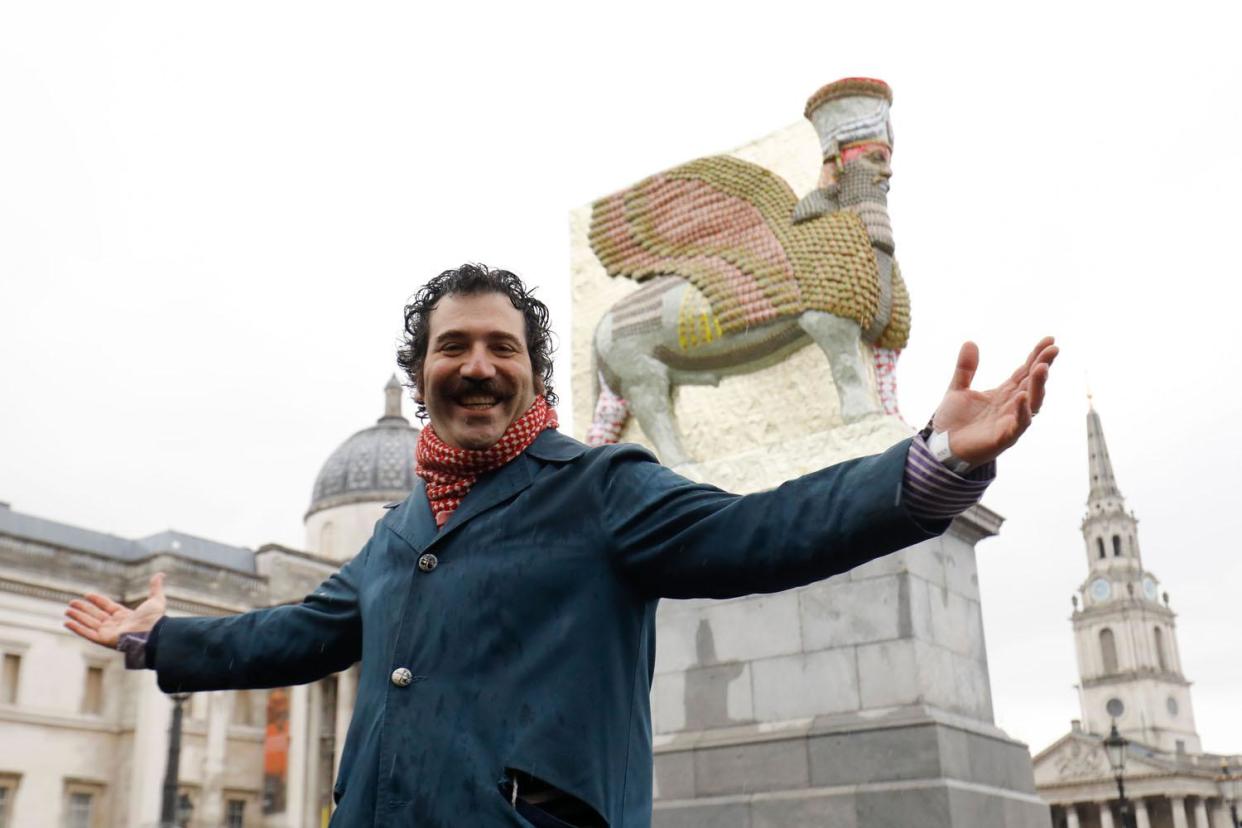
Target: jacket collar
{"points": [[413, 520], [556, 447]]}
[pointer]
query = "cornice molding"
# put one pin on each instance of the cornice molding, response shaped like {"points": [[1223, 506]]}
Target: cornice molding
{"points": [[1167, 677]]}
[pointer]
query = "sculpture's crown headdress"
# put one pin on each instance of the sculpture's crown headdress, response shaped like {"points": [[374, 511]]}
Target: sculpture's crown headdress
{"points": [[850, 111]]}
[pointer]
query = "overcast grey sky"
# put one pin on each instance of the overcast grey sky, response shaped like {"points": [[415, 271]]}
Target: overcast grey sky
{"points": [[211, 215]]}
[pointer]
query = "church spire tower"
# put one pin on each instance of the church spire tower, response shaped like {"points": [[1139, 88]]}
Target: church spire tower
{"points": [[1128, 659]]}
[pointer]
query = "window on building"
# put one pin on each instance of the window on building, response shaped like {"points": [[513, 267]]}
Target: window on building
{"points": [[92, 696], [83, 804], [1116, 546], [80, 812], [235, 813], [1108, 649], [8, 792], [10, 674], [1159, 636], [1099, 544]]}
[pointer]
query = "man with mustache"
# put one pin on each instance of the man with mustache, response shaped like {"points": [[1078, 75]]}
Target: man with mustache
{"points": [[504, 613]]}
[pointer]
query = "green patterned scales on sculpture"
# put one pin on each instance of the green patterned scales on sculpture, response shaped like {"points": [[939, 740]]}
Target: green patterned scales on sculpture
{"points": [[726, 226]]}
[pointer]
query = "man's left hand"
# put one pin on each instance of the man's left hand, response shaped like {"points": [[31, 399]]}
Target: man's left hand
{"points": [[982, 424]]}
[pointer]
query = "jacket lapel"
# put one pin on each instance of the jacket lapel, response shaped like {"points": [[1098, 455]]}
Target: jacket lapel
{"points": [[489, 491], [415, 523]]}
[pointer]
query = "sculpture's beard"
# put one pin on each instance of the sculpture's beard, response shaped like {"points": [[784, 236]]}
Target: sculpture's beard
{"points": [[861, 190]]}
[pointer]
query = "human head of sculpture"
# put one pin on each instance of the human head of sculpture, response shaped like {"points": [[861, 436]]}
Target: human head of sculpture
{"points": [[851, 118], [477, 350], [871, 159]]}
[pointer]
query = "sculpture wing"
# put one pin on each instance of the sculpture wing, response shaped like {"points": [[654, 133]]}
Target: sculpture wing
{"points": [[725, 225], [897, 333], [721, 223]]}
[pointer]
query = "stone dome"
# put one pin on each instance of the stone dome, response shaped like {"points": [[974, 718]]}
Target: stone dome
{"points": [[375, 464]]}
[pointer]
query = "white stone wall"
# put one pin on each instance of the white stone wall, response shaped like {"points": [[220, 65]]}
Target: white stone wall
{"points": [[49, 741]]}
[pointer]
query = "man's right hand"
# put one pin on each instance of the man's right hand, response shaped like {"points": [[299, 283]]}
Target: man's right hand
{"points": [[99, 619]]}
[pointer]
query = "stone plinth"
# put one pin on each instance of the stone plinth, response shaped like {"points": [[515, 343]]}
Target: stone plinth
{"points": [[862, 700]]}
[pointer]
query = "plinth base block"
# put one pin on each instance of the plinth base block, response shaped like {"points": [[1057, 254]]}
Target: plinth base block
{"points": [[930, 772]]}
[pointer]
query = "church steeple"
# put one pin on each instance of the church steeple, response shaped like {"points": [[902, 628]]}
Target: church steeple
{"points": [[1103, 481], [1128, 656], [1110, 531]]}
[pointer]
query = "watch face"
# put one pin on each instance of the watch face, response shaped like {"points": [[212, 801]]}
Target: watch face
{"points": [[1100, 590], [1115, 708], [1149, 588]]}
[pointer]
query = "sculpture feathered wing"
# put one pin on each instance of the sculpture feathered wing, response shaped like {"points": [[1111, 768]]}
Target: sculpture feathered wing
{"points": [[725, 226]]}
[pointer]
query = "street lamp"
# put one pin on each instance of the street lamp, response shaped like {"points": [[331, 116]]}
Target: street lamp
{"points": [[168, 800], [1231, 790], [1115, 746]]}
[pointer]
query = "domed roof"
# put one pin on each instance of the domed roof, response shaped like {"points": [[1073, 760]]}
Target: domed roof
{"points": [[376, 464]]}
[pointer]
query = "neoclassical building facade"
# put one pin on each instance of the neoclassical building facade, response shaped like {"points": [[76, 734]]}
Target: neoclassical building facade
{"points": [[1130, 673], [84, 742]]}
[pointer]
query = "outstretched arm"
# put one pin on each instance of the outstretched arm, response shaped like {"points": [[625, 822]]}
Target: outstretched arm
{"points": [[288, 644], [982, 424]]}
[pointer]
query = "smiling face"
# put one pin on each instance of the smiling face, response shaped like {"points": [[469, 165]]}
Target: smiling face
{"points": [[477, 376]]}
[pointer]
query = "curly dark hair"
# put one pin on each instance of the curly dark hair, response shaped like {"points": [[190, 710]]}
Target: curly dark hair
{"points": [[468, 280]]}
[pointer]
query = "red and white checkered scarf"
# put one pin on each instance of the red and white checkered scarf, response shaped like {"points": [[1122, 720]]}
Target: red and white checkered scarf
{"points": [[451, 472]]}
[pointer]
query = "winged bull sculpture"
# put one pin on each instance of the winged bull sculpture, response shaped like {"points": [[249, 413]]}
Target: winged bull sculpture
{"points": [[737, 273]]}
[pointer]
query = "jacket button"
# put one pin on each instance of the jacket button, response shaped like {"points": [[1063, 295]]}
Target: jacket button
{"points": [[428, 562], [402, 677]]}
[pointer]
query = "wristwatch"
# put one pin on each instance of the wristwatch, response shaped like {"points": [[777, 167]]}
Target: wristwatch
{"points": [[938, 445]]}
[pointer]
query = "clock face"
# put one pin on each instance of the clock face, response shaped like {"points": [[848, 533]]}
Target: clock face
{"points": [[1100, 590], [1149, 588]]}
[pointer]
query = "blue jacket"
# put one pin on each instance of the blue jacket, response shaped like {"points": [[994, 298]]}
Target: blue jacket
{"points": [[532, 643]]}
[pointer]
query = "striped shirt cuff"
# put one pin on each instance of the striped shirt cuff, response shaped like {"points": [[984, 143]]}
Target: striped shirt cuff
{"points": [[134, 645], [932, 492]]}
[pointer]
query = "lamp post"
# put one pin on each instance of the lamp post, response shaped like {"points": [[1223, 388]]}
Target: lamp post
{"points": [[168, 800], [1231, 790], [1115, 746]]}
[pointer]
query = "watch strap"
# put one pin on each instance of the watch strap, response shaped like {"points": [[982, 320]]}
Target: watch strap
{"points": [[938, 445]]}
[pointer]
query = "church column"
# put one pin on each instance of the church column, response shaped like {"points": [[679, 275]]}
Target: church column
{"points": [[219, 714], [1140, 814], [1106, 815], [1071, 816], [1221, 817], [1179, 811], [1201, 820]]}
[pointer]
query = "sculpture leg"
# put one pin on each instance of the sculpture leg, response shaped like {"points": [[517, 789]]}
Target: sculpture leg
{"points": [[646, 386], [839, 339], [611, 412], [886, 379]]}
